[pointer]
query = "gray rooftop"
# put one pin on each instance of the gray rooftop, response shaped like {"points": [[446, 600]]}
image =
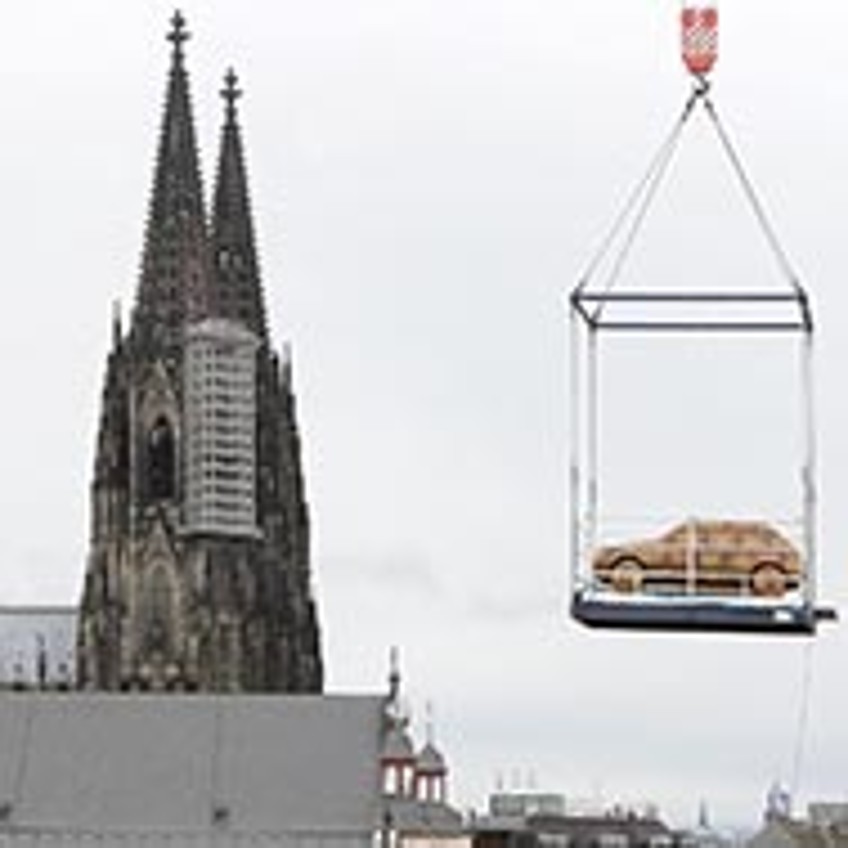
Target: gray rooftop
{"points": [[430, 761], [397, 746], [427, 818], [300, 770]]}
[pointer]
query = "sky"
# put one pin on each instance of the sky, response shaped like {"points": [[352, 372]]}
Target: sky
{"points": [[429, 179]]}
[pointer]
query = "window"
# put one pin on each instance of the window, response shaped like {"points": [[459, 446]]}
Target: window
{"points": [[612, 840], [161, 460], [554, 840]]}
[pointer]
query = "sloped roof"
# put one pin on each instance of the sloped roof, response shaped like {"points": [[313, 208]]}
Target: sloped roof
{"points": [[100, 764], [430, 761], [397, 746], [165, 839], [410, 816]]}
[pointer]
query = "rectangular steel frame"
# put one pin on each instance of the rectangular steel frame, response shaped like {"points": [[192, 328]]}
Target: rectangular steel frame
{"points": [[587, 313]]}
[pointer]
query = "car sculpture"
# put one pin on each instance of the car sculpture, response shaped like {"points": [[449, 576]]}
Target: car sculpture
{"points": [[703, 557]]}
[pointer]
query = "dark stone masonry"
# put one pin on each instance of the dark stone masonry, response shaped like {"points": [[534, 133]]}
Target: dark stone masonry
{"points": [[198, 574]]}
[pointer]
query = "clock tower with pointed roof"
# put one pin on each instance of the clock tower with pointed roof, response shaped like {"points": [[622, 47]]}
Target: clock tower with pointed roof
{"points": [[198, 574]]}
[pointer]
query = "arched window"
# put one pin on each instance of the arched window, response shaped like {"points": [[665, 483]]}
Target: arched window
{"points": [[161, 460]]}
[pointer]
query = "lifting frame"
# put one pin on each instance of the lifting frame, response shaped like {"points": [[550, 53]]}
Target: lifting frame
{"points": [[706, 312]]}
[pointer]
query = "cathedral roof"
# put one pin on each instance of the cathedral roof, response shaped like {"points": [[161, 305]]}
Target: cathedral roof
{"points": [[175, 277], [188, 766]]}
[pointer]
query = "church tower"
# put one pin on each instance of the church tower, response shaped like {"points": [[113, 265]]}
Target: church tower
{"points": [[198, 574]]}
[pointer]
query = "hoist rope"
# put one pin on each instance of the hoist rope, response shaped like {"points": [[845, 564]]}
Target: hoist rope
{"points": [[644, 190], [637, 205], [639, 217], [753, 198], [803, 721]]}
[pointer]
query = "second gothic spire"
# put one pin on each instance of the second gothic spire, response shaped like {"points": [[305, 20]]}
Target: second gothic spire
{"points": [[238, 286]]}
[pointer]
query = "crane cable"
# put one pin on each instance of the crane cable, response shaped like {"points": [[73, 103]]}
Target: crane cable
{"points": [[753, 198], [803, 721], [635, 210], [641, 197]]}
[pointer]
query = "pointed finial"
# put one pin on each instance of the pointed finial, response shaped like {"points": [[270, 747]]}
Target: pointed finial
{"points": [[429, 722], [117, 328], [178, 33], [394, 674], [231, 92]]}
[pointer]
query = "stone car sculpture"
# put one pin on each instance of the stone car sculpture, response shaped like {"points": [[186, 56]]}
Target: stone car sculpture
{"points": [[703, 557]]}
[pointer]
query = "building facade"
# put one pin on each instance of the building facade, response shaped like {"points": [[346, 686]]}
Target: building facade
{"points": [[543, 820], [417, 812], [198, 574], [37, 647], [824, 826]]}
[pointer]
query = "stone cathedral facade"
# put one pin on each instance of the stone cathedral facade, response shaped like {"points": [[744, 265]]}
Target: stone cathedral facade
{"points": [[198, 574]]}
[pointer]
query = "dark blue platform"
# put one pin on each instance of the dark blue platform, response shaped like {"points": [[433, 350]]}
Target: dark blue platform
{"points": [[688, 615]]}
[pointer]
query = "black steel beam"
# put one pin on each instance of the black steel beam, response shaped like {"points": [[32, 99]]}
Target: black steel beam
{"points": [[728, 326], [688, 297]]}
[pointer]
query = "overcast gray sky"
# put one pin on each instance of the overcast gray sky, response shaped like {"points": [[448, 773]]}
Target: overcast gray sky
{"points": [[429, 177]]}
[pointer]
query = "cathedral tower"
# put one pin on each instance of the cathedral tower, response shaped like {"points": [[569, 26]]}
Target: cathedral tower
{"points": [[198, 573]]}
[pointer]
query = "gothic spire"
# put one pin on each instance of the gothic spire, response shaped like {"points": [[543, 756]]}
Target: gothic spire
{"points": [[174, 285], [238, 286]]}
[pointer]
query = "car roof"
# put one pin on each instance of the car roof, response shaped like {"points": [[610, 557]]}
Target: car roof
{"points": [[726, 525]]}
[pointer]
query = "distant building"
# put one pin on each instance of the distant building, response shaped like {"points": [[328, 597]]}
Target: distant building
{"points": [[37, 647], [521, 805], [825, 826], [704, 835], [542, 820], [198, 573], [417, 812]]}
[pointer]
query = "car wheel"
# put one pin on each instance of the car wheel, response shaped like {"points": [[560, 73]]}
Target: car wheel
{"points": [[627, 575], [768, 580]]}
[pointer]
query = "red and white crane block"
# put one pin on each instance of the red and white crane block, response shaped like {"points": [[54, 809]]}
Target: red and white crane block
{"points": [[699, 32]]}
